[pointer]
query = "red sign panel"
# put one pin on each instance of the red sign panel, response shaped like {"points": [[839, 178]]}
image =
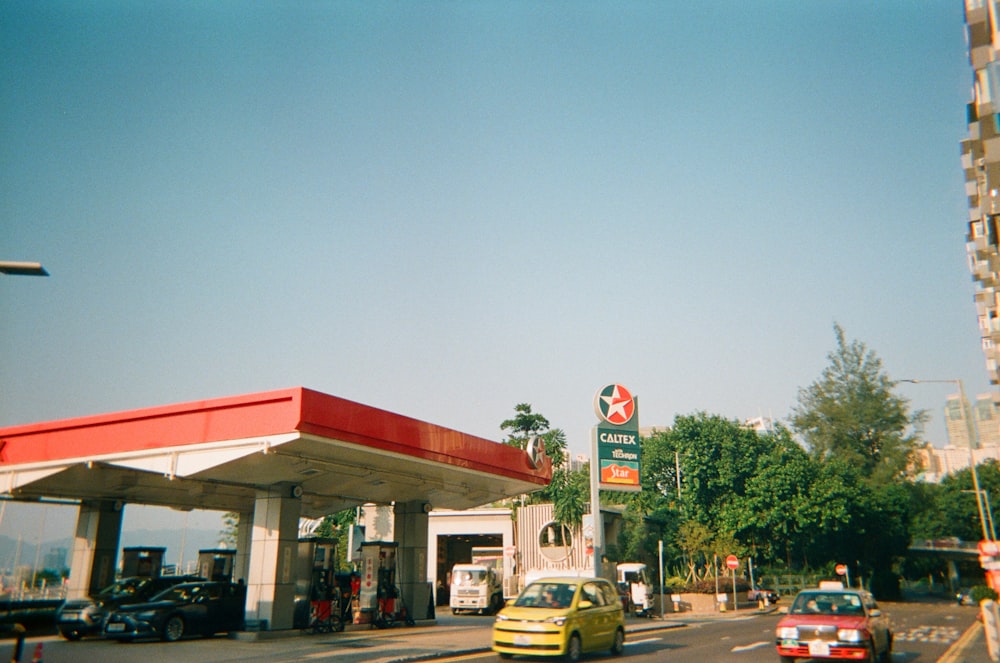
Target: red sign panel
{"points": [[733, 562]]}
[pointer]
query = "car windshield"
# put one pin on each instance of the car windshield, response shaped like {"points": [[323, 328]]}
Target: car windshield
{"points": [[546, 595], [124, 587], [473, 577], [819, 603]]}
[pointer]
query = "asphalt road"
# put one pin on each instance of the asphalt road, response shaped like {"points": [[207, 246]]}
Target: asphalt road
{"points": [[924, 632]]}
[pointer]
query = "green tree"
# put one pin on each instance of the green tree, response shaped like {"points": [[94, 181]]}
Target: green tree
{"points": [[523, 425], [953, 511], [527, 424], [851, 412], [717, 458], [696, 541], [336, 526], [230, 525], [861, 434], [776, 516], [570, 492]]}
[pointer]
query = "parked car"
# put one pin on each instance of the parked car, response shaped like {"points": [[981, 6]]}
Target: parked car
{"points": [[196, 608], [561, 617], [76, 618], [835, 623]]}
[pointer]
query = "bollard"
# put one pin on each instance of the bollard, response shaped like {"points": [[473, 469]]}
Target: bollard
{"points": [[991, 625]]}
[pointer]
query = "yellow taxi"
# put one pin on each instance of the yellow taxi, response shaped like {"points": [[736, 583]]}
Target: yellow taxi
{"points": [[561, 617]]}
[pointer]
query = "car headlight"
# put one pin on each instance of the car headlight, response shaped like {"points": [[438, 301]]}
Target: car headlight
{"points": [[502, 618], [850, 635], [788, 633], [145, 616], [558, 621]]}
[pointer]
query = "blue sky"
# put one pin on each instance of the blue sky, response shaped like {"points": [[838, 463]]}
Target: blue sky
{"points": [[444, 208]]}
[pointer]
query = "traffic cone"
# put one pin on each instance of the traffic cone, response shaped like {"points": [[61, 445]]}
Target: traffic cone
{"points": [[37, 658]]}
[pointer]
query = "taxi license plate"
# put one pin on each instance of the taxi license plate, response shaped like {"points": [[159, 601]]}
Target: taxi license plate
{"points": [[115, 627], [522, 640], [819, 648]]}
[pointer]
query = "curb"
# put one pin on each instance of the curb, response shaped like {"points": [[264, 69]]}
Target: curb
{"points": [[958, 652]]}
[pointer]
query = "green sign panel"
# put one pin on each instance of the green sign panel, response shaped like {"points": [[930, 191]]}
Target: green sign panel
{"points": [[616, 439]]}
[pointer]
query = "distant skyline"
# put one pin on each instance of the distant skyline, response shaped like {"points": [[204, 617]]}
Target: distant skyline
{"points": [[445, 209]]}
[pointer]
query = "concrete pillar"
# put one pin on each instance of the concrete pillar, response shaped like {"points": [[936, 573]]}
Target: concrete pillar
{"points": [[95, 548], [273, 551], [410, 529], [244, 534]]}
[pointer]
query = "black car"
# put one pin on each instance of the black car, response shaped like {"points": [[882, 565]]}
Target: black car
{"points": [[196, 608], [79, 617]]}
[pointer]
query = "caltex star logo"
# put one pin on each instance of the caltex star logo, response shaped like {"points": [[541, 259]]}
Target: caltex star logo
{"points": [[614, 404]]}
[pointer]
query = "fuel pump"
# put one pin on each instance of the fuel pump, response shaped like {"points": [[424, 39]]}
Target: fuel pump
{"points": [[378, 582]]}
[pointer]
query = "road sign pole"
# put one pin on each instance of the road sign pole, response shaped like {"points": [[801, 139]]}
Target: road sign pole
{"points": [[733, 563], [736, 603], [661, 579]]}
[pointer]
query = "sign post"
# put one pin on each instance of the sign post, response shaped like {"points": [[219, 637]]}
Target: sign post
{"points": [[733, 563], [844, 572], [615, 454]]}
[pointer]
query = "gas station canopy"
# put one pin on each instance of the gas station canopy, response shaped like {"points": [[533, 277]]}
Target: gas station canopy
{"points": [[217, 454]]}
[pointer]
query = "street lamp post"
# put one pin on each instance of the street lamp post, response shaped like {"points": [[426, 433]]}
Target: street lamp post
{"points": [[989, 512], [973, 441], [22, 268]]}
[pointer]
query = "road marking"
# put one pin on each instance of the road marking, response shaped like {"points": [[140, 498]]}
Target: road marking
{"points": [[751, 647], [933, 634]]}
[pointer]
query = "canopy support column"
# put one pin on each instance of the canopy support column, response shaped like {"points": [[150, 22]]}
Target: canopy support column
{"points": [[410, 531], [273, 553], [95, 547]]}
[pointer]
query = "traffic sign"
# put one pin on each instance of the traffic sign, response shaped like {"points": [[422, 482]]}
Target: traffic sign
{"points": [[841, 569], [733, 562]]}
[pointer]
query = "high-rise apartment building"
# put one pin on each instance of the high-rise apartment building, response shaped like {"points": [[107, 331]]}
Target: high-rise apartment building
{"points": [[986, 417], [981, 162]]}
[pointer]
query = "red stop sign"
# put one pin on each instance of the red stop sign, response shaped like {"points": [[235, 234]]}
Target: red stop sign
{"points": [[733, 562], [841, 569]]}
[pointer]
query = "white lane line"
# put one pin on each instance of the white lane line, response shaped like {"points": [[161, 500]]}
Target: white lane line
{"points": [[751, 647]]}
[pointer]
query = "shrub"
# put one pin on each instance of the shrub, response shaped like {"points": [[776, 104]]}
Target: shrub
{"points": [[980, 593], [708, 586]]}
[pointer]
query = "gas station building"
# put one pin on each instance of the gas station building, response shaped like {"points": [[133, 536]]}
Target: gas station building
{"points": [[272, 458]]}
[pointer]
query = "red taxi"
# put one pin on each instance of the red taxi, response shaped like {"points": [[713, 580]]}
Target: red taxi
{"points": [[831, 622]]}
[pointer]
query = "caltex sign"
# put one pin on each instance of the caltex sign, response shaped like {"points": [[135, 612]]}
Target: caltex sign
{"points": [[616, 439]]}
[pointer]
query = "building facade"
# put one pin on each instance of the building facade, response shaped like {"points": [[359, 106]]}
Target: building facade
{"points": [[981, 163], [985, 419]]}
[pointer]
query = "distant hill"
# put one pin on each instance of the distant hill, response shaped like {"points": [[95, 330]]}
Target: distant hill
{"points": [[14, 553]]}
